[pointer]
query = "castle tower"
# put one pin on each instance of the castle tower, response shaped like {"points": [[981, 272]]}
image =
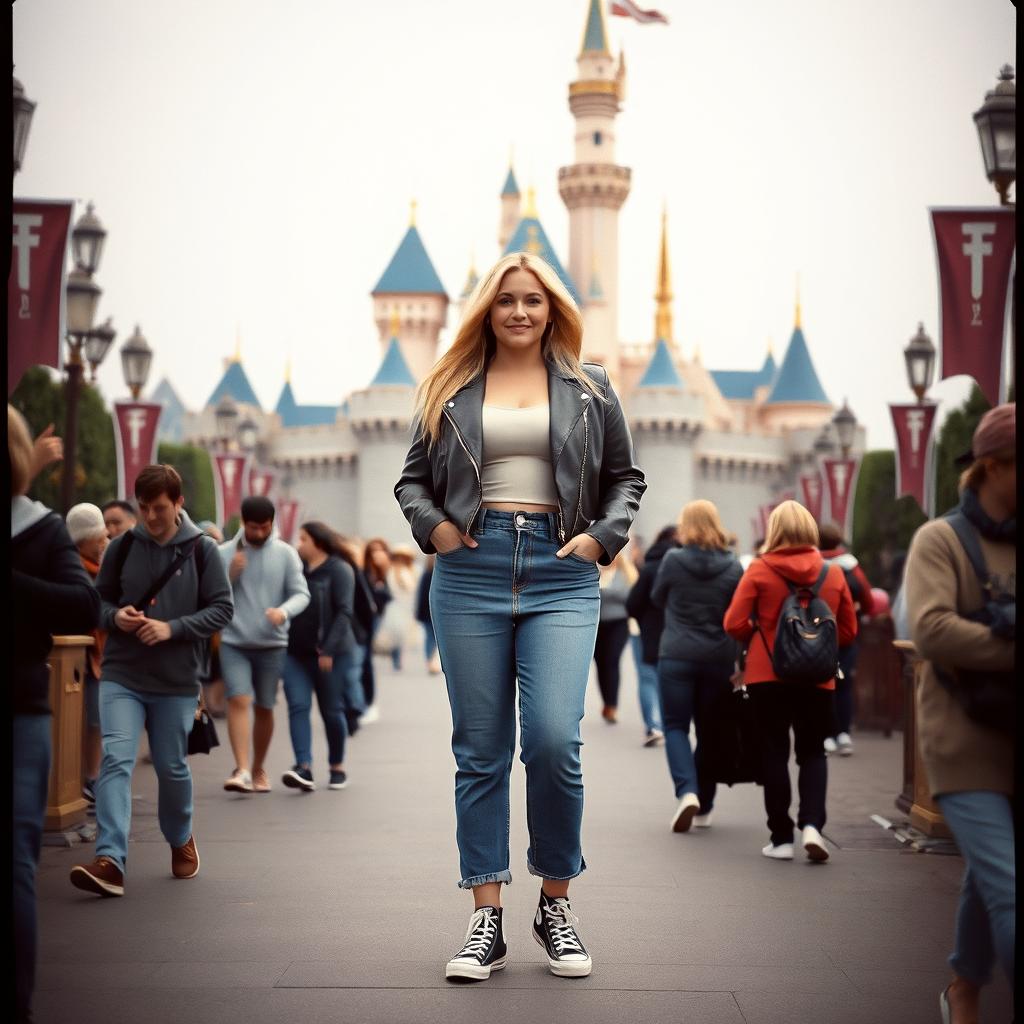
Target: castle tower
{"points": [[510, 208], [594, 187], [411, 288]]}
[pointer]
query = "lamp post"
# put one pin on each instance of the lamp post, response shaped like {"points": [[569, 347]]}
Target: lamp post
{"points": [[97, 345], [919, 355], [136, 359], [845, 424], [23, 109], [997, 133], [226, 416], [248, 435]]}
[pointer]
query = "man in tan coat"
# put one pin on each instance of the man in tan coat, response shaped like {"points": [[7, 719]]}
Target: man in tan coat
{"points": [[966, 633]]}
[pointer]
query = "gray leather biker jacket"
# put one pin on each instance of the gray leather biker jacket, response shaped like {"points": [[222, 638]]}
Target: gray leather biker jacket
{"points": [[598, 481]]}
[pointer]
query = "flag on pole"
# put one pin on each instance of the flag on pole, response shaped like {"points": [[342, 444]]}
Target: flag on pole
{"points": [[628, 9]]}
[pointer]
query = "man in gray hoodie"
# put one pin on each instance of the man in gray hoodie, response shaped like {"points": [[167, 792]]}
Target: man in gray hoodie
{"points": [[164, 593], [269, 591]]}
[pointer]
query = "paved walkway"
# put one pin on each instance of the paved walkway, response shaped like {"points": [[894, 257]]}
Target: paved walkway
{"points": [[342, 907]]}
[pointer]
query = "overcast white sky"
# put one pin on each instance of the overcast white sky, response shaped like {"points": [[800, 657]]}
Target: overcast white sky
{"points": [[253, 164]]}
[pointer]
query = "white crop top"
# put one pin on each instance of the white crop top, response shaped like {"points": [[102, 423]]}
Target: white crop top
{"points": [[517, 456]]}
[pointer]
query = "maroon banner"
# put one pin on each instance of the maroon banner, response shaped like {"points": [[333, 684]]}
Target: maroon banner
{"points": [[811, 494], [35, 286], [913, 425], [135, 441], [287, 519], [261, 481], [229, 479], [840, 478], [975, 250]]}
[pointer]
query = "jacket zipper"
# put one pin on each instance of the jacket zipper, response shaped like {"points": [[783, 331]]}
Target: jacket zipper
{"points": [[476, 468], [583, 464]]}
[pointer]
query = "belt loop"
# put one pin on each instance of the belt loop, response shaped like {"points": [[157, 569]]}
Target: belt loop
{"points": [[481, 518]]}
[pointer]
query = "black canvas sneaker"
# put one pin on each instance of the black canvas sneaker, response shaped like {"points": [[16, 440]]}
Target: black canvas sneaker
{"points": [[299, 778], [554, 927], [484, 949], [339, 780]]}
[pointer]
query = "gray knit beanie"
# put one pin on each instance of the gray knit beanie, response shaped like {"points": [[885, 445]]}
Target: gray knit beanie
{"points": [[84, 522]]}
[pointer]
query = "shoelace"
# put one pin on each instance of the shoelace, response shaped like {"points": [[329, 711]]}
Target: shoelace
{"points": [[482, 926], [561, 922]]}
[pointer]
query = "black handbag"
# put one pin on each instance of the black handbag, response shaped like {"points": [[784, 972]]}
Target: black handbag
{"points": [[203, 737]]}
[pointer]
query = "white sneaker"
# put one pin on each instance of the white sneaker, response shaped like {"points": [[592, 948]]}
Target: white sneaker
{"points": [[830, 745], [845, 744], [240, 781], [814, 844], [683, 818], [703, 820], [653, 738], [784, 851], [370, 715]]}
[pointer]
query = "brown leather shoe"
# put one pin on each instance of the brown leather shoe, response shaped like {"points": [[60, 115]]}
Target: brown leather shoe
{"points": [[102, 877], [185, 859]]}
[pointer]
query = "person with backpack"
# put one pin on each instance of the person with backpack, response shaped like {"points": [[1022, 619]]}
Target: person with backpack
{"points": [[960, 583], [269, 591], [830, 544], [793, 613], [165, 593]]}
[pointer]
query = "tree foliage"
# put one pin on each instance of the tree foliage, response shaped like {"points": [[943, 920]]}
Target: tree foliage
{"points": [[196, 477], [41, 400], [955, 439]]}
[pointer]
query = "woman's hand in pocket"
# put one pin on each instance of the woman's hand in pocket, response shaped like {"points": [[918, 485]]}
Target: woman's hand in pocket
{"points": [[447, 538], [583, 546]]}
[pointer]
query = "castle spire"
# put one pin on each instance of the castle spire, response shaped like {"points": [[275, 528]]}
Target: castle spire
{"points": [[237, 358], [288, 370], [530, 211], [412, 213], [663, 296], [797, 318], [595, 32]]}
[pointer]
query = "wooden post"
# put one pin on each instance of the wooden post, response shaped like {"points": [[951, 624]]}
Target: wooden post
{"points": [[915, 799], [65, 805]]}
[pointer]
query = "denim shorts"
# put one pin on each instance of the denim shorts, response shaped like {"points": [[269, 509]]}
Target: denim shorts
{"points": [[252, 672]]}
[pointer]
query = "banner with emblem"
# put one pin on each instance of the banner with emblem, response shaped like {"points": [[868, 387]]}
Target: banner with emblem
{"points": [[913, 425], [840, 480], [35, 286], [135, 441], [261, 481], [811, 494], [975, 251], [287, 519], [229, 482]]}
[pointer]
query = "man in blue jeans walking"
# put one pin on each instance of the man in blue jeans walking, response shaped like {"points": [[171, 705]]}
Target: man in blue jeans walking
{"points": [[269, 590], [163, 597]]}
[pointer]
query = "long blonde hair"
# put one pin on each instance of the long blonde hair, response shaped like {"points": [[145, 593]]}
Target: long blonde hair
{"points": [[699, 524], [790, 525], [474, 340]]}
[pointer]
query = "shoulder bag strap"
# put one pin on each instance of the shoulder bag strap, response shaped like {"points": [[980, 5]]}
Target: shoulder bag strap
{"points": [[968, 537], [176, 563]]}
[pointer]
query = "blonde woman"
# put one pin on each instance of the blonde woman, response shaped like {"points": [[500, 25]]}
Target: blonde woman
{"points": [[694, 585], [521, 477], [790, 559], [616, 582]]}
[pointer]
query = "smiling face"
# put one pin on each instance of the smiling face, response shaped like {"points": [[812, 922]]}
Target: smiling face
{"points": [[160, 516], [521, 311]]}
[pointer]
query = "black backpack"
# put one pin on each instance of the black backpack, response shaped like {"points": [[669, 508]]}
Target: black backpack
{"points": [[806, 647]]}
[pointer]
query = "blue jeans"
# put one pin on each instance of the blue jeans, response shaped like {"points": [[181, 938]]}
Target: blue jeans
{"points": [[31, 762], [168, 721], [429, 640], [252, 672], [688, 688], [844, 690], [355, 697], [982, 825], [510, 612], [303, 678], [647, 686]]}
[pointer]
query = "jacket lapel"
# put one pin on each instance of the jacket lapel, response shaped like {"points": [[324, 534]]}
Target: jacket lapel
{"points": [[465, 408], [565, 406]]}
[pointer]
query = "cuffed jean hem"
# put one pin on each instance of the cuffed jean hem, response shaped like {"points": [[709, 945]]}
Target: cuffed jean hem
{"points": [[556, 878], [494, 876]]}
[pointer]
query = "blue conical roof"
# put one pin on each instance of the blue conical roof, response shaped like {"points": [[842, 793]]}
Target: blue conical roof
{"points": [[661, 370], [236, 384], [594, 36], [796, 379], [410, 269], [530, 237], [394, 370], [172, 420], [768, 370], [294, 415], [511, 187]]}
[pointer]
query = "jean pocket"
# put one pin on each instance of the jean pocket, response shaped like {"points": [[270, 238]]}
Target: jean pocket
{"points": [[579, 558], [452, 553]]}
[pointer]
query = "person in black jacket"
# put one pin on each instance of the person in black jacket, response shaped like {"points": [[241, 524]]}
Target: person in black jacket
{"points": [[694, 585], [50, 594], [363, 622], [320, 645], [651, 620]]}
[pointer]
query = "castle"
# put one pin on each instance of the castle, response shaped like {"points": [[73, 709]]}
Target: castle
{"points": [[737, 437]]}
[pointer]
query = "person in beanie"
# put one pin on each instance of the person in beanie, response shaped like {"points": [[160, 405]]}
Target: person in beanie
{"points": [[269, 591], [50, 595], [969, 757], [158, 619], [88, 533]]}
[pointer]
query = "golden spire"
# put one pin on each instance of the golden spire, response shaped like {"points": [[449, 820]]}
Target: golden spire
{"points": [[533, 243], [797, 318], [771, 348], [412, 213], [394, 324], [237, 358], [288, 370], [531, 203], [663, 296]]}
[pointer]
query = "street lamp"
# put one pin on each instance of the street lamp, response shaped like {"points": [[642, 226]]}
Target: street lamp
{"points": [[248, 435], [846, 427], [97, 345], [919, 356], [23, 108], [87, 241], [136, 359], [998, 134], [226, 415]]}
